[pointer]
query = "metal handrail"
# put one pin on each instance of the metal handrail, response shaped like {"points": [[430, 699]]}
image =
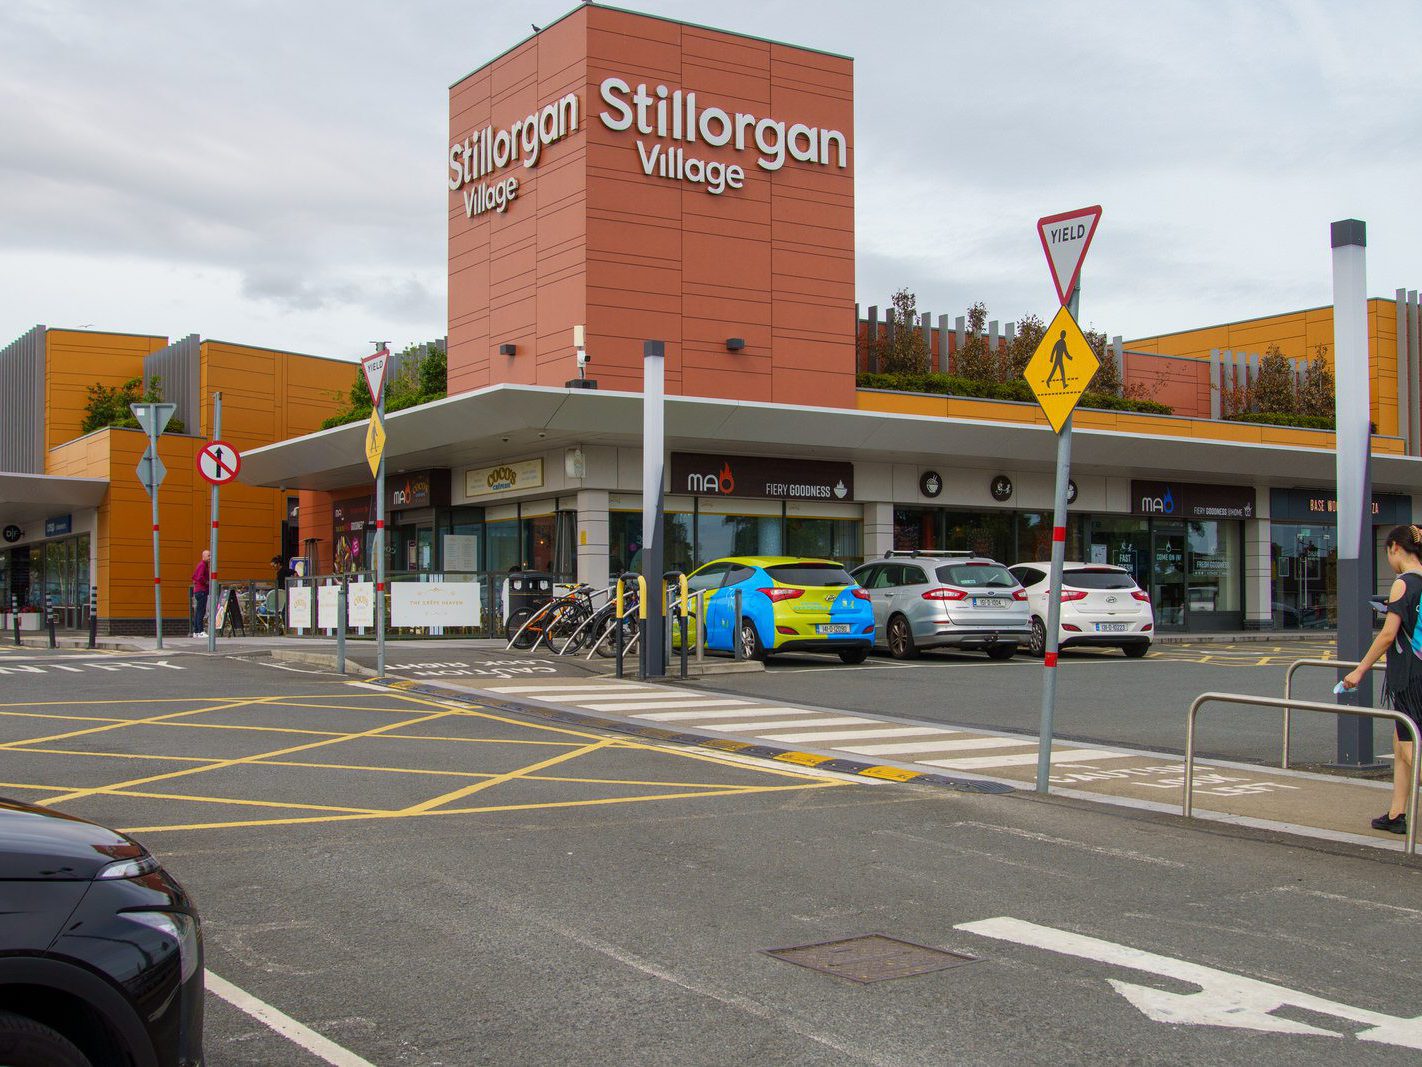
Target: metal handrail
{"points": [[592, 597], [1200, 701], [1289, 689]]}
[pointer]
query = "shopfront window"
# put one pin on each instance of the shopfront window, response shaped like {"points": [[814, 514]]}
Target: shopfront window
{"points": [[837, 539], [1213, 566], [625, 541], [1305, 584], [1122, 542]]}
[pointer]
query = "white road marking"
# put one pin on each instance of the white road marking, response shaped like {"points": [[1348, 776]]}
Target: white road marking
{"points": [[1341, 899], [906, 748], [284, 1024], [567, 686], [577, 695], [845, 735], [832, 720], [1083, 755], [1101, 850], [739, 713], [963, 744], [1224, 999], [636, 706]]}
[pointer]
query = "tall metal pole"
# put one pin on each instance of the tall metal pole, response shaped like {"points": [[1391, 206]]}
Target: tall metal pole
{"points": [[380, 537], [1355, 497], [1054, 591], [653, 461], [153, 496], [211, 626]]}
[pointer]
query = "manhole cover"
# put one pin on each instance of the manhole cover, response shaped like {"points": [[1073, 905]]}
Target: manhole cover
{"points": [[871, 958]]}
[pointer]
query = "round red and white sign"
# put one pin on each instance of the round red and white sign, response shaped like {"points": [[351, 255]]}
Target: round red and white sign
{"points": [[219, 462]]}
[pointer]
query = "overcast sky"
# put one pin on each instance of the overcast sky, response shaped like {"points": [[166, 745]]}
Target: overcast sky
{"points": [[274, 172]]}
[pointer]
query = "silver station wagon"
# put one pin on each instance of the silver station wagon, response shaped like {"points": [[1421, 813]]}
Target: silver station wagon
{"points": [[925, 600]]}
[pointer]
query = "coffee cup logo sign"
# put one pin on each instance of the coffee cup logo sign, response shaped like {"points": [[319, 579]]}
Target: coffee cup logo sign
{"points": [[676, 115]]}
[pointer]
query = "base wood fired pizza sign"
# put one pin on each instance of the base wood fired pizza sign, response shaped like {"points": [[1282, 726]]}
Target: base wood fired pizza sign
{"points": [[672, 130]]}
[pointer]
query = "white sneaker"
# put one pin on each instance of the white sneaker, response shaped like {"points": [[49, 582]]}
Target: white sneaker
{"points": [[204, 634]]}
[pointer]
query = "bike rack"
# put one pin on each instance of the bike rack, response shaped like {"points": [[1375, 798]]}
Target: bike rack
{"points": [[677, 607], [585, 623], [1188, 805], [1289, 689], [621, 613]]}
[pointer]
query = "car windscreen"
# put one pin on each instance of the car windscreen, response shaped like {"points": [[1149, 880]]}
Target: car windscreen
{"points": [[1098, 579], [976, 576], [810, 574]]}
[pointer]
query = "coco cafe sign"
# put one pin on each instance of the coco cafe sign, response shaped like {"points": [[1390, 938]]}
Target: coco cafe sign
{"points": [[657, 116]]}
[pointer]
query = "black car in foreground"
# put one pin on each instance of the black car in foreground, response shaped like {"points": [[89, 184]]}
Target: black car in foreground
{"points": [[100, 949]]}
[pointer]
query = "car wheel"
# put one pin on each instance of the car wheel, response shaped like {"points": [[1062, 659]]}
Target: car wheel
{"points": [[1135, 651], [901, 642], [854, 655], [26, 1043], [1037, 642], [751, 648], [1001, 651]]}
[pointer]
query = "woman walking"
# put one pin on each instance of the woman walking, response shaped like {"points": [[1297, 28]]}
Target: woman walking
{"points": [[1400, 640]]}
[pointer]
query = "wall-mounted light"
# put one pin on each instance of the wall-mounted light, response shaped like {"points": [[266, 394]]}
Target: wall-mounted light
{"points": [[508, 350], [735, 344]]}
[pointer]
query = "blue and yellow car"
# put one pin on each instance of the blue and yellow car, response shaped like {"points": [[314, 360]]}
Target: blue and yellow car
{"points": [[788, 604]]}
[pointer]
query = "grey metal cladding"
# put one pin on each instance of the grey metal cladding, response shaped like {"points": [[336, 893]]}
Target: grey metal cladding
{"points": [[179, 365], [22, 372]]}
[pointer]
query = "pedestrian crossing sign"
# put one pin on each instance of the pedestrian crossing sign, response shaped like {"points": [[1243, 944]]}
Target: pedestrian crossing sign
{"points": [[374, 443], [1061, 368]]}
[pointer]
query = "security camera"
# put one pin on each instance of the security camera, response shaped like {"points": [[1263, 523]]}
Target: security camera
{"points": [[583, 358]]}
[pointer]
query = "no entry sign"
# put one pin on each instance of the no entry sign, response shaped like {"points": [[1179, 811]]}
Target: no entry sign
{"points": [[219, 462]]}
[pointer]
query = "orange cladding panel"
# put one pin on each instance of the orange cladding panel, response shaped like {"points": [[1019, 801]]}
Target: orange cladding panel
{"points": [[641, 232], [76, 360]]}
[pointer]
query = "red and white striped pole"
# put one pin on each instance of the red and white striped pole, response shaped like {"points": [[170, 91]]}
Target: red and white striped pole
{"points": [[1054, 590]]}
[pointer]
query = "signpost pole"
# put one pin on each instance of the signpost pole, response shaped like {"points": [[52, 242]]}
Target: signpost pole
{"points": [[1054, 591], [1355, 520], [653, 461], [380, 534], [211, 622], [153, 496]]}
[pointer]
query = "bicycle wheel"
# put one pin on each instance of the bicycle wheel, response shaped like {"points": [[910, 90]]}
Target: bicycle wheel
{"points": [[607, 640], [522, 641], [566, 632]]}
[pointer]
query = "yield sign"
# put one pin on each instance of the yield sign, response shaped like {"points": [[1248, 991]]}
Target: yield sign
{"points": [[219, 462], [153, 417], [1061, 368], [1065, 239], [374, 444], [373, 367]]}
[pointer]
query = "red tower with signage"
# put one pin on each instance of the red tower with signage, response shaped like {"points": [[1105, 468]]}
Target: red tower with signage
{"points": [[651, 179]]}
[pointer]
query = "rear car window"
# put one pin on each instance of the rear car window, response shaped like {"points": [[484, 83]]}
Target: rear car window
{"points": [[976, 576], [810, 574], [1098, 580]]}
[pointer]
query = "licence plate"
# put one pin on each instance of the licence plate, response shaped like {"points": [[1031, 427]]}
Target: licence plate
{"points": [[990, 602], [1112, 627], [832, 628]]}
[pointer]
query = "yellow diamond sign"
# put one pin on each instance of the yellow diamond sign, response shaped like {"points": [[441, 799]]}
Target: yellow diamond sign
{"points": [[374, 443], [1061, 368]]}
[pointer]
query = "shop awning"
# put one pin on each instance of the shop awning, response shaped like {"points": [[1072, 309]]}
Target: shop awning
{"points": [[30, 497], [502, 421]]}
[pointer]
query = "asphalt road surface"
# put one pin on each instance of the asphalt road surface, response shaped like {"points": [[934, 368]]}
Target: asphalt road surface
{"points": [[1102, 697], [422, 885]]}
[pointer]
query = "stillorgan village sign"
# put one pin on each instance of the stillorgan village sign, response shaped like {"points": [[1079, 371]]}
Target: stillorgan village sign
{"points": [[654, 115]]}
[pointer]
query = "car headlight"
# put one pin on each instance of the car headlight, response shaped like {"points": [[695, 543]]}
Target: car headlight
{"points": [[182, 928], [132, 868]]}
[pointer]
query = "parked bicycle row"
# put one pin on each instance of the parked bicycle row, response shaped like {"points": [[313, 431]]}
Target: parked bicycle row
{"points": [[904, 603]]}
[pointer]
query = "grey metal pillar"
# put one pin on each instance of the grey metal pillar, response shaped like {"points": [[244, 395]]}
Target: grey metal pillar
{"points": [[1054, 590], [1216, 384], [942, 367], [211, 621], [1355, 514], [157, 568], [1405, 357], [1414, 344], [871, 356], [380, 531], [653, 639]]}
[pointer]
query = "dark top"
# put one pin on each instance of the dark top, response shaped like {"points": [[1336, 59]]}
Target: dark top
{"points": [[284, 571], [1404, 669]]}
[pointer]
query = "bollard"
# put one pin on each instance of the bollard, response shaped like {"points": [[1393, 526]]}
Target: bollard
{"points": [[93, 616], [682, 621], [701, 625], [736, 627], [617, 622], [341, 626], [15, 614], [49, 618]]}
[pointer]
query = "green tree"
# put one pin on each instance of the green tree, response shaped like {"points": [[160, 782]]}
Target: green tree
{"points": [[907, 352], [1274, 389], [1030, 331], [1107, 378], [974, 360], [108, 405], [1316, 396], [423, 376]]}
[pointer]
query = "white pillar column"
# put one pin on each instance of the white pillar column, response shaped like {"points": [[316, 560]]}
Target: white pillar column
{"points": [[878, 529], [1258, 573], [593, 537]]}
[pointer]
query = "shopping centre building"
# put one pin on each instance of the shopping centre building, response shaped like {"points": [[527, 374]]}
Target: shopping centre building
{"points": [[77, 523], [641, 178]]}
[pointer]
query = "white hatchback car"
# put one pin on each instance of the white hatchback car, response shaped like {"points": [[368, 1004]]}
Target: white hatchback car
{"points": [[1102, 606]]}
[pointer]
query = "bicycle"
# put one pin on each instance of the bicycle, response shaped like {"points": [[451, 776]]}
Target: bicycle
{"points": [[560, 620]]}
